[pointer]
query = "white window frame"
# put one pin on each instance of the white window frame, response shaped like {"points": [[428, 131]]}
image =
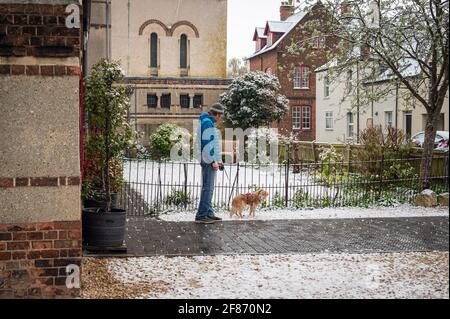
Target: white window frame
{"points": [[388, 118], [329, 120], [297, 77], [306, 116], [350, 125], [296, 117], [303, 77], [326, 86], [322, 42], [349, 84]]}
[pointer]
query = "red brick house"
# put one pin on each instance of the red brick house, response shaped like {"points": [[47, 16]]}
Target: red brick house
{"points": [[294, 71]]}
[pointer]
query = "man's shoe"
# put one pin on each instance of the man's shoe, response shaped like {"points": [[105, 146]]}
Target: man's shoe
{"points": [[215, 218], [205, 220]]}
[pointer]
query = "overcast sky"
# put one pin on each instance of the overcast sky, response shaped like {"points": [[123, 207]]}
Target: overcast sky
{"points": [[243, 17]]}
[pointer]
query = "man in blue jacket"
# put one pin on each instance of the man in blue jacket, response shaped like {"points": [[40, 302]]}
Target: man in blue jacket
{"points": [[210, 161]]}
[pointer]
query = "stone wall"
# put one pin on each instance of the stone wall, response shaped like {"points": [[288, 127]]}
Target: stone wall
{"points": [[40, 216]]}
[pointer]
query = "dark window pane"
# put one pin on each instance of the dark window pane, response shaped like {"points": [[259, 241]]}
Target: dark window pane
{"points": [[184, 100], [198, 100], [152, 100], [165, 101], [154, 50], [183, 51]]}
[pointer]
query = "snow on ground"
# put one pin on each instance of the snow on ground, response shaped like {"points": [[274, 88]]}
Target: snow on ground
{"points": [[320, 213], [390, 275]]}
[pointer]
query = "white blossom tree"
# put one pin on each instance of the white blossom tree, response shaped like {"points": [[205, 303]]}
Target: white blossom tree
{"points": [[253, 100], [406, 42]]}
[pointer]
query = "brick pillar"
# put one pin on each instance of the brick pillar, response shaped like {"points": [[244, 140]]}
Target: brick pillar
{"points": [[40, 211]]}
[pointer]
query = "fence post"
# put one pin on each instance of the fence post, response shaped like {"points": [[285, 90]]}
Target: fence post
{"points": [[159, 192], [286, 181], [381, 173], [185, 186]]}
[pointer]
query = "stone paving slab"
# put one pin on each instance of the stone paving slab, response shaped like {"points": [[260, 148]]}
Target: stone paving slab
{"points": [[149, 237]]}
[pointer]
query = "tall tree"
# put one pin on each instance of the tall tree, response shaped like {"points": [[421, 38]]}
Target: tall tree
{"points": [[404, 41]]}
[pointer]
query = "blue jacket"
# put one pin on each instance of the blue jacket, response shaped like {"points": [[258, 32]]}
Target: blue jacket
{"points": [[209, 140]]}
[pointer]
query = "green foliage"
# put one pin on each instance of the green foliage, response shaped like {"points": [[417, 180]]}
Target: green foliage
{"points": [[110, 134], [178, 198], [331, 169], [278, 201], [165, 137], [382, 152]]}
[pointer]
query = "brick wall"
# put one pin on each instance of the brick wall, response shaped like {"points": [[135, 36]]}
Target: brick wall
{"points": [[34, 256], [40, 214], [285, 63]]}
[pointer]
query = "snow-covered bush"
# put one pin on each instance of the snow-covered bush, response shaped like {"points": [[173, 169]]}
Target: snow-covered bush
{"points": [[165, 137], [253, 100]]}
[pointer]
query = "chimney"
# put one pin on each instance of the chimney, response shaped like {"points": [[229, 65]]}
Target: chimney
{"points": [[286, 9], [344, 8]]}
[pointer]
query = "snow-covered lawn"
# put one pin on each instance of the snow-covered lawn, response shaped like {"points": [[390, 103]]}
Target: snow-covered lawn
{"points": [[392, 275], [321, 213]]}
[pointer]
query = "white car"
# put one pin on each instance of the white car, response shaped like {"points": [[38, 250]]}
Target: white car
{"points": [[419, 138]]}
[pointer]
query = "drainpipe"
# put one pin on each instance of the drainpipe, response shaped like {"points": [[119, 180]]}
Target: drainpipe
{"points": [[396, 106], [84, 125], [107, 4], [357, 102]]}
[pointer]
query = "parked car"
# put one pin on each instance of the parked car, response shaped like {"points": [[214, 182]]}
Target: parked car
{"points": [[440, 141]]}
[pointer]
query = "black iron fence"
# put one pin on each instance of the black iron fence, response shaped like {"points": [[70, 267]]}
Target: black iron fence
{"points": [[153, 187]]}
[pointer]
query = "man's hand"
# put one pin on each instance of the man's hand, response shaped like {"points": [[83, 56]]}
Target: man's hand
{"points": [[215, 166]]}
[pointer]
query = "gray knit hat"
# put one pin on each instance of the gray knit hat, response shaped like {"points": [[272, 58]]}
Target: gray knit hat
{"points": [[217, 107]]}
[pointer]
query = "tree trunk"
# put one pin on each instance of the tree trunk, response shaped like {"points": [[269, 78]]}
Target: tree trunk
{"points": [[428, 149]]}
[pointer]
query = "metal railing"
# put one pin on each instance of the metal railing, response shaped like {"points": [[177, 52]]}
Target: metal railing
{"points": [[153, 187]]}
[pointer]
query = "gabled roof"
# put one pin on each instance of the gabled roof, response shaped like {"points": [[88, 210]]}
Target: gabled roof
{"points": [[259, 33], [277, 26], [292, 22]]}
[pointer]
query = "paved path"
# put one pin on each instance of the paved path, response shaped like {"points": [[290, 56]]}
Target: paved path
{"points": [[148, 237]]}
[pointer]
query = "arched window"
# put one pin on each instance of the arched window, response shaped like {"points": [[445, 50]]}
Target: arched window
{"points": [[183, 51], [153, 50]]}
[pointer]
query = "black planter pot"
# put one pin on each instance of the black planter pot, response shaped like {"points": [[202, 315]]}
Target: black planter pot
{"points": [[101, 229]]}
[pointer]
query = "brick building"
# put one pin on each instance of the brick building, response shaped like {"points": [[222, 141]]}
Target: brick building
{"points": [[173, 58], [294, 71], [40, 211]]}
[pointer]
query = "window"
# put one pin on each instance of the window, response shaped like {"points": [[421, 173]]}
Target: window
{"points": [[326, 83], [388, 119], [269, 71], [165, 101], [297, 77], [269, 39], [306, 118], [154, 50], [152, 100], [350, 125], [198, 100], [349, 81], [305, 77], [329, 120], [183, 51], [296, 115], [301, 77], [407, 122], [318, 42], [322, 42], [184, 100]]}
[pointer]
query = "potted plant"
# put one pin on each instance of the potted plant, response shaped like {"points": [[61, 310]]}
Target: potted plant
{"points": [[109, 136]]}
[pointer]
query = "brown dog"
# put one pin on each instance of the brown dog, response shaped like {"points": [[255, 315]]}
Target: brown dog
{"points": [[239, 202]]}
